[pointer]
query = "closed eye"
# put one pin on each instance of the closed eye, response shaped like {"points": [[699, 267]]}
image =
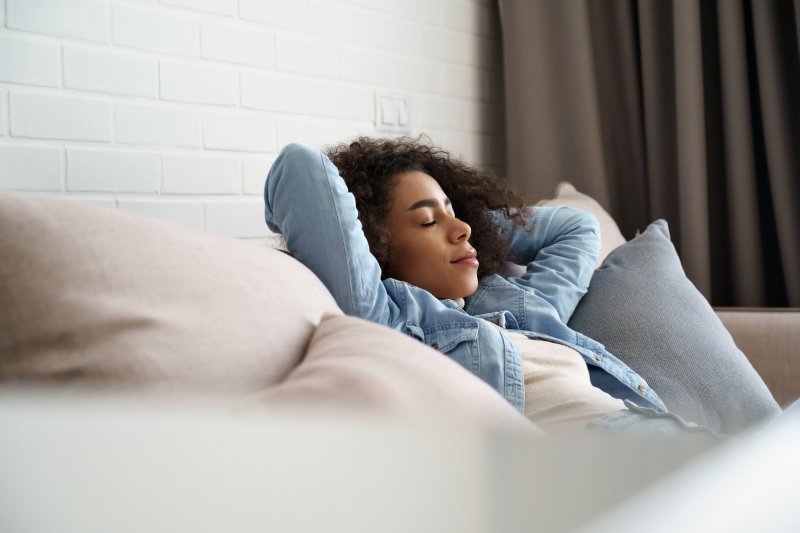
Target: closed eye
{"points": [[428, 224]]}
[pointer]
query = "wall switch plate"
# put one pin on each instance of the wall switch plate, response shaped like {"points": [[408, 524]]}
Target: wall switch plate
{"points": [[392, 111]]}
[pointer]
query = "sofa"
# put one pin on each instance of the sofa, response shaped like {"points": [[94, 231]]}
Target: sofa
{"points": [[155, 377]]}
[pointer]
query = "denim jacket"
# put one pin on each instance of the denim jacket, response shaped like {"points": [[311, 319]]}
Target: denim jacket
{"points": [[308, 203]]}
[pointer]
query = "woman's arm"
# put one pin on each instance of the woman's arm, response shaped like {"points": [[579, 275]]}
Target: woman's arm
{"points": [[308, 203], [560, 247]]}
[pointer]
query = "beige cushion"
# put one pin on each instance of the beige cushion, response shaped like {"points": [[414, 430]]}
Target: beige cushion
{"points": [[110, 297], [352, 363], [610, 236]]}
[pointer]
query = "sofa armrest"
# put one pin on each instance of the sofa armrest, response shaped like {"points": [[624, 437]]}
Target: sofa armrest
{"points": [[770, 337]]}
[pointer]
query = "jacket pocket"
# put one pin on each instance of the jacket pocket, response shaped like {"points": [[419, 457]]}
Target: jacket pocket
{"points": [[447, 337], [413, 330]]}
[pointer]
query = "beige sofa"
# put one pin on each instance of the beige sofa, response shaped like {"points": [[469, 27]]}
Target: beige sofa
{"points": [[770, 337], [158, 378]]}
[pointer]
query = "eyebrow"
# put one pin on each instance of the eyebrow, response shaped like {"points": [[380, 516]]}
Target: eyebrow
{"points": [[428, 202]]}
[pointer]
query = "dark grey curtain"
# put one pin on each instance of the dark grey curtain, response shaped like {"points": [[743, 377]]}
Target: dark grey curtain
{"points": [[687, 110]]}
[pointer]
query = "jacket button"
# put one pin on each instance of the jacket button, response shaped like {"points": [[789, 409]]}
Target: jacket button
{"points": [[435, 346], [642, 387], [598, 358]]}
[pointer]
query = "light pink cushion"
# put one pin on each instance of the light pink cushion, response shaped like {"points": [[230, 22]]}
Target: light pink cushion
{"points": [[98, 296], [353, 363]]}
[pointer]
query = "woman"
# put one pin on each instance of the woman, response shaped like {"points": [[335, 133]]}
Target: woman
{"points": [[427, 260]]}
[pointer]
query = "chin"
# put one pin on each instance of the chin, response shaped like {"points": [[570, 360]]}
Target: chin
{"points": [[452, 291], [465, 291], [469, 293]]}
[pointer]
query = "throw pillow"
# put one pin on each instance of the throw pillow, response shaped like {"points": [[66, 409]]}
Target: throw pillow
{"points": [[98, 296], [644, 309], [353, 363]]}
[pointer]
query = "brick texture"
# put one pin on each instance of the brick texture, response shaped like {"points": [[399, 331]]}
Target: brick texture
{"points": [[238, 131], [150, 30], [183, 82], [138, 124], [105, 170], [235, 44], [177, 108], [31, 168], [28, 61], [44, 116], [201, 174], [3, 114], [83, 19], [105, 71]]}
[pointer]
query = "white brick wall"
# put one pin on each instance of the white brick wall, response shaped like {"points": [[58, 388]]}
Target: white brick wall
{"points": [[367, 66], [31, 168], [90, 169], [440, 113], [254, 172], [184, 82], [236, 44], [177, 108], [3, 121], [28, 61], [109, 71], [274, 92], [315, 131], [305, 56], [289, 14], [151, 29], [201, 174], [140, 124], [236, 218], [238, 131], [83, 19], [223, 7], [336, 100], [45, 116]]}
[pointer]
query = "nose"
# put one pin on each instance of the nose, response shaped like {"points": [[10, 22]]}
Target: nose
{"points": [[460, 231]]}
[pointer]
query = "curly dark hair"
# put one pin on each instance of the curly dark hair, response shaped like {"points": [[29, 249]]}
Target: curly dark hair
{"points": [[369, 165]]}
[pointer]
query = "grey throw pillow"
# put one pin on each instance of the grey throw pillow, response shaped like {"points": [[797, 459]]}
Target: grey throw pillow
{"points": [[644, 309]]}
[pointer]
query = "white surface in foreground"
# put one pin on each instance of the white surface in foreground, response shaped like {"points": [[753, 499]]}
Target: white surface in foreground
{"points": [[99, 463]]}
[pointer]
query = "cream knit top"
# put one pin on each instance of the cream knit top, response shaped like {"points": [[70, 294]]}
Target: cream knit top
{"points": [[558, 392]]}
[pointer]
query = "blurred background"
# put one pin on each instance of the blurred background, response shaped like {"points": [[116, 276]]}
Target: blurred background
{"points": [[682, 110], [177, 108], [685, 110]]}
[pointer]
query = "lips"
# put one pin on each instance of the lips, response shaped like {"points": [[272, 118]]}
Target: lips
{"points": [[468, 258]]}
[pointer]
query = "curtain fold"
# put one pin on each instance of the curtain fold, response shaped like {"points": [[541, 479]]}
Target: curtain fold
{"points": [[778, 61], [746, 275], [684, 110]]}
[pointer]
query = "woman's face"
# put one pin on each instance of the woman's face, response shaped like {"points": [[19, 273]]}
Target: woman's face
{"points": [[428, 245]]}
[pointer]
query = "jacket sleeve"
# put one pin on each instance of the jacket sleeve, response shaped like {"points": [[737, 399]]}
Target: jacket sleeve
{"points": [[308, 203], [560, 246]]}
